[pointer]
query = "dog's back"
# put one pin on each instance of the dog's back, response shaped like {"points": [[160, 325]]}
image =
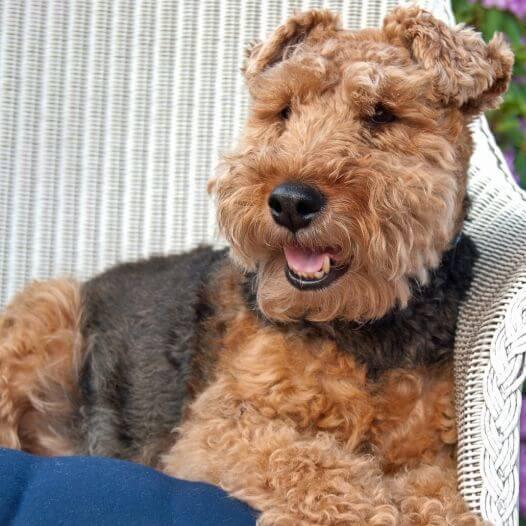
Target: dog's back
{"points": [[142, 328]]}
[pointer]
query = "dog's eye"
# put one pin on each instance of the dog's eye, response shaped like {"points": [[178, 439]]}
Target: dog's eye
{"points": [[284, 114], [382, 115]]}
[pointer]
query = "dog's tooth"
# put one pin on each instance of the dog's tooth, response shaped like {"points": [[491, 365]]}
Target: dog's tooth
{"points": [[319, 275], [326, 264]]}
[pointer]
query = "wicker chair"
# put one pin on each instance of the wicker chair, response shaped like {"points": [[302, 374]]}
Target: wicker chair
{"points": [[112, 114]]}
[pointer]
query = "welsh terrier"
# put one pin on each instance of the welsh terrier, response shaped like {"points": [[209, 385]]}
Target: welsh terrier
{"points": [[307, 370]]}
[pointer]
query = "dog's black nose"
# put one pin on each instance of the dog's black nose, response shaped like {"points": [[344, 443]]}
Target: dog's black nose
{"points": [[294, 205]]}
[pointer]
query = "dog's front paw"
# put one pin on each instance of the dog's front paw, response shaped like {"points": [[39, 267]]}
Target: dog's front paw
{"points": [[321, 485]]}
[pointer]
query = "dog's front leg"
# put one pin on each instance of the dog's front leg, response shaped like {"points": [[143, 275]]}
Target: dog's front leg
{"points": [[291, 477]]}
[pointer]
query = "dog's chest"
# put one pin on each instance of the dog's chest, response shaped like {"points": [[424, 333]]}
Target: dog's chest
{"points": [[304, 380], [316, 385]]}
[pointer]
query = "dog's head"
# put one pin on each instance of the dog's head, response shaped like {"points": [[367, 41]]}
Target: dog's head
{"points": [[349, 180]]}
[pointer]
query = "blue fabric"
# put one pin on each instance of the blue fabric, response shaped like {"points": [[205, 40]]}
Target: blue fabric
{"points": [[82, 491]]}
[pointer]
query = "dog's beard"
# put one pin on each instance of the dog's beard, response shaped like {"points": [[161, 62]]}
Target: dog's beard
{"points": [[354, 296], [377, 275], [369, 288]]}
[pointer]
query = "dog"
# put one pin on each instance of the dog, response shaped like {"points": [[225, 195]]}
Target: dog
{"points": [[306, 369]]}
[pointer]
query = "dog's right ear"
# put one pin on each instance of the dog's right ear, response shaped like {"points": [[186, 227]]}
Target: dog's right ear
{"points": [[314, 24]]}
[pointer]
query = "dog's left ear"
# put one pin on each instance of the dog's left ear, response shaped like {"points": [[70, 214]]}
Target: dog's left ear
{"points": [[467, 72], [317, 23]]}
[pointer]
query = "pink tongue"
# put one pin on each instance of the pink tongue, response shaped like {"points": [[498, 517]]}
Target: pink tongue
{"points": [[302, 260]]}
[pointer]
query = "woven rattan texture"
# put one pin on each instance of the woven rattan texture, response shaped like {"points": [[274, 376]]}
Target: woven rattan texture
{"points": [[491, 338]]}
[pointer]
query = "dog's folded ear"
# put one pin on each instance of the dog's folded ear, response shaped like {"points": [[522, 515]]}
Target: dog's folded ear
{"points": [[467, 72], [314, 24]]}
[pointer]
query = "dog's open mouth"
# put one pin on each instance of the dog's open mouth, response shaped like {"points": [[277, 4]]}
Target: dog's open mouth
{"points": [[310, 270]]}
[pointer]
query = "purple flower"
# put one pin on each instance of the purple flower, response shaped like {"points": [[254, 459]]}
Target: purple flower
{"points": [[522, 480], [523, 419], [522, 461], [517, 7]]}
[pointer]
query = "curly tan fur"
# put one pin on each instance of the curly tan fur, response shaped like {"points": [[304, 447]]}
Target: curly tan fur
{"points": [[39, 346], [465, 70]]}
